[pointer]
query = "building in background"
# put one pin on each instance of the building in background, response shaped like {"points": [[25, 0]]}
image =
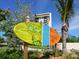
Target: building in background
{"points": [[44, 18]]}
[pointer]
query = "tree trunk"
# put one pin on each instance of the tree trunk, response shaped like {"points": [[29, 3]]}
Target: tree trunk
{"points": [[64, 42], [25, 51], [64, 37]]}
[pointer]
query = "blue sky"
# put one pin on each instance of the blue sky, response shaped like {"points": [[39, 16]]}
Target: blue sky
{"points": [[43, 6]]}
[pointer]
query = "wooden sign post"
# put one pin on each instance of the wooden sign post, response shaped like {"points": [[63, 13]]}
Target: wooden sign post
{"points": [[25, 51]]}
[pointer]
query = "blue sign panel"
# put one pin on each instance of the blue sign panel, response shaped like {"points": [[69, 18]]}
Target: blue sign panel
{"points": [[46, 35]]}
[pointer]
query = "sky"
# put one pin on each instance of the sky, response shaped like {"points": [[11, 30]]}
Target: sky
{"points": [[44, 6]]}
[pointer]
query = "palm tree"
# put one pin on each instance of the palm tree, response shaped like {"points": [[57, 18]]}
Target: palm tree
{"points": [[65, 9]]}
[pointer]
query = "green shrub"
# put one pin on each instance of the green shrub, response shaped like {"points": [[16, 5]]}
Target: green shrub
{"points": [[32, 54], [2, 53], [10, 53], [69, 57]]}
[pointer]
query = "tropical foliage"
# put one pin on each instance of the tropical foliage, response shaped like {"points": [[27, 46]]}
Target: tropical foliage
{"points": [[2, 40], [3, 14]]}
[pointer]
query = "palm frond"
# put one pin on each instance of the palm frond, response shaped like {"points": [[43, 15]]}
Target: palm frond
{"points": [[65, 9], [61, 3]]}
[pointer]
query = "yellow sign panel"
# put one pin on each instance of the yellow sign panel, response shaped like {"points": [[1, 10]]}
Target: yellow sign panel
{"points": [[30, 32]]}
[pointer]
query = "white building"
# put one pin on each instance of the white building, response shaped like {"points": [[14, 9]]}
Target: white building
{"points": [[44, 18]]}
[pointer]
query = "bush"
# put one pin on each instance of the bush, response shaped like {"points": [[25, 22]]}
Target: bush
{"points": [[48, 53], [69, 57], [10, 53], [71, 39], [2, 53], [32, 54]]}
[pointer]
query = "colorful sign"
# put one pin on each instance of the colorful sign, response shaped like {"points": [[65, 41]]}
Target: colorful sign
{"points": [[36, 33]]}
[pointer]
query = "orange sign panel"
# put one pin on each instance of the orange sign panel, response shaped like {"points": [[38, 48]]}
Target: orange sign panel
{"points": [[54, 37]]}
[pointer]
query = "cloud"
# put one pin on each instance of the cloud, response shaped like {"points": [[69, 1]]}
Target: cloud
{"points": [[74, 24]]}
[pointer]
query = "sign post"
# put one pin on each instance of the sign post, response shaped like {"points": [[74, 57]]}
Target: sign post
{"points": [[25, 51]]}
